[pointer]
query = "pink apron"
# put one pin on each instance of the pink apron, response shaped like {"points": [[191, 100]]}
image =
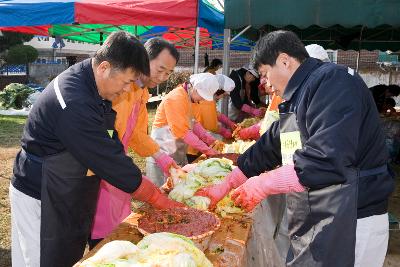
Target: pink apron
{"points": [[113, 204]]}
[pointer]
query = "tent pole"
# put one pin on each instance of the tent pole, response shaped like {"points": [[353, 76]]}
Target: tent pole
{"points": [[227, 36], [359, 50], [240, 33], [196, 50]]}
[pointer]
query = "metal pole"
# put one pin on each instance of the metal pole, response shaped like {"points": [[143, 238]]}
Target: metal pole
{"points": [[225, 67], [358, 60], [240, 33], [196, 50], [359, 49]]}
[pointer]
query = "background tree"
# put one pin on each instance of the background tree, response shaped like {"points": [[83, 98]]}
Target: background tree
{"points": [[22, 54], [9, 39]]}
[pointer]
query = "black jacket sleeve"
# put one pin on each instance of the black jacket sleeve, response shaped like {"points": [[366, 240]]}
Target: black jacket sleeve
{"points": [[255, 96], [332, 113], [81, 129], [264, 155], [235, 93]]}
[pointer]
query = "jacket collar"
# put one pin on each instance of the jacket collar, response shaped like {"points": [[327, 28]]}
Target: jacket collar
{"points": [[299, 76], [86, 67]]}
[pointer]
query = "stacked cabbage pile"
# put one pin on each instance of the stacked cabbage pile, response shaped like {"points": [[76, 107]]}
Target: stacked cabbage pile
{"points": [[209, 172], [159, 249]]}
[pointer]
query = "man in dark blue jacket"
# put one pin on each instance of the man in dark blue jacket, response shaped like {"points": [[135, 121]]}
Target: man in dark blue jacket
{"points": [[70, 129], [326, 154]]}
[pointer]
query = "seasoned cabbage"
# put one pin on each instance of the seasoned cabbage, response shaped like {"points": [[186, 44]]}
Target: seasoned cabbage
{"points": [[208, 172], [226, 206], [198, 202], [249, 122]]}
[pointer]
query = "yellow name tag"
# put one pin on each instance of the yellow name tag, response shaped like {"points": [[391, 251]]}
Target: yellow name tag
{"points": [[290, 142]]}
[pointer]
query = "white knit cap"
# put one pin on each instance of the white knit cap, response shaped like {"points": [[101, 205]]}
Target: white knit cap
{"points": [[225, 83], [318, 52], [250, 69], [206, 84]]}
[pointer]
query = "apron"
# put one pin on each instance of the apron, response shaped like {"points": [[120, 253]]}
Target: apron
{"points": [[319, 218], [113, 204], [175, 148], [68, 204]]}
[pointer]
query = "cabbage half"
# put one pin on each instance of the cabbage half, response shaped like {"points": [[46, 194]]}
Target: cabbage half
{"points": [[208, 172], [159, 249]]}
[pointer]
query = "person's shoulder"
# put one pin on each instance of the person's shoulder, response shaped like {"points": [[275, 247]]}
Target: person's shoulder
{"points": [[336, 72]]}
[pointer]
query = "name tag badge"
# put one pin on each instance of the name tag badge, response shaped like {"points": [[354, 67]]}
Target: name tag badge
{"points": [[290, 142], [110, 133]]}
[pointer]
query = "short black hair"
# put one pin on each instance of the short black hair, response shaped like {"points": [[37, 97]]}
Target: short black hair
{"points": [[219, 92], [124, 51], [394, 89], [156, 45], [215, 63], [268, 48]]}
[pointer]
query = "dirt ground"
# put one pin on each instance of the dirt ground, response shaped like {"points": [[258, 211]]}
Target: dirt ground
{"points": [[10, 133]]}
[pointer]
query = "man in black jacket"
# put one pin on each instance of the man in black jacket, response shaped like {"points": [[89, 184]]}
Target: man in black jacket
{"points": [[70, 129], [327, 155]]}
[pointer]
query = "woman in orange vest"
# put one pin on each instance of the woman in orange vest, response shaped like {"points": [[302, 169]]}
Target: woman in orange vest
{"points": [[205, 112], [174, 126]]}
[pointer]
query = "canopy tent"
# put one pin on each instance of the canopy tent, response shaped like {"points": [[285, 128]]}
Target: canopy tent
{"points": [[92, 21], [344, 24]]}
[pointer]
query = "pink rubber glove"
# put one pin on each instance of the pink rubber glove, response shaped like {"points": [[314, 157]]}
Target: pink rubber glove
{"points": [[252, 132], [279, 181], [150, 193], [217, 192], [253, 111], [165, 162], [225, 120], [225, 133], [192, 140], [202, 133]]}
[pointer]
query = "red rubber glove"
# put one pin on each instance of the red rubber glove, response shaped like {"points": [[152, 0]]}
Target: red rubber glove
{"points": [[252, 132], [225, 120], [217, 192], [165, 162], [150, 193], [279, 181], [225, 133]]}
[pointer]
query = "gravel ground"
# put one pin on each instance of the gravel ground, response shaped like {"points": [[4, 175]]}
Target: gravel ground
{"points": [[10, 132]]}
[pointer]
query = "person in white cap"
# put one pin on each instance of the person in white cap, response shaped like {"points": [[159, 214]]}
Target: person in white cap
{"points": [[245, 95], [174, 125], [205, 112], [318, 52]]}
